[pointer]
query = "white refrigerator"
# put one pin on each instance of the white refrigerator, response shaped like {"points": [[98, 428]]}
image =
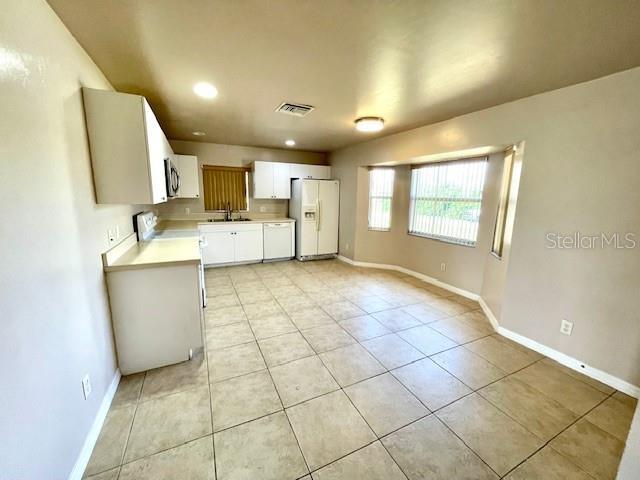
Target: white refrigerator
{"points": [[315, 206]]}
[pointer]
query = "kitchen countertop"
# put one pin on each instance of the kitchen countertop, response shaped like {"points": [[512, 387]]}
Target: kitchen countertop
{"points": [[169, 252], [167, 225]]}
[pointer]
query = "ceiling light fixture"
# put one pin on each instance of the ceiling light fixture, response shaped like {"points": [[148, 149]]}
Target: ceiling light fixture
{"points": [[290, 143], [369, 124], [205, 90], [198, 134]]}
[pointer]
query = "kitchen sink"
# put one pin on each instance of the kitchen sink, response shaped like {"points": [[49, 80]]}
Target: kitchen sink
{"points": [[217, 220]]}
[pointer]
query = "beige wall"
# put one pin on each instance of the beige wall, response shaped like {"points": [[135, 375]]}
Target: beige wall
{"points": [[237, 156], [55, 323], [580, 173], [465, 265]]}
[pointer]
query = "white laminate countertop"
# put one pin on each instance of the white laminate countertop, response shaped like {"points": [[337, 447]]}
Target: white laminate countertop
{"points": [[166, 225], [156, 253]]}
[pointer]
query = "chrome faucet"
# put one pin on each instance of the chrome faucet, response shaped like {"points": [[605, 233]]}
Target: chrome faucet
{"points": [[227, 213]]}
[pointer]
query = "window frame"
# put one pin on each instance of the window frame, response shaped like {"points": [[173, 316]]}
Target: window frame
{"points": [[412, 202], [246, 187], [499, 230], [381, 197]]}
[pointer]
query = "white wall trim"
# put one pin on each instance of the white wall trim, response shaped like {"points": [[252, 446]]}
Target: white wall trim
{"points": [[562, 358], [566, 360], [94, 432], [421, 276]]}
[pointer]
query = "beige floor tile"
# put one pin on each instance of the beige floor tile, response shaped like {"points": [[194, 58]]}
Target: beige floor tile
{"points": [[448, 306], [591, 448], [193, 460], [538, 413], [424, 313], [398, 299], [108, 475], [128, 391], [427, 449], [169, 421], [500, 441], [175, 378], [251, 287], [364, 327], [427, 340], [112, 440], [613, 417], [285, 348], [328, 427], [302, 379], [270, 326], [229, 335], [285, 291], [223, 316], [264, 449], [588, 380], [262, 309], [396, 319], [547, 464], [342, 310], [458, 330], [244, 398], [392, 351], [371, 304], [369, 463], [293, 304], [327, 337], [569, 392], [626, 399], [278, 281], [351, 364], [221, 301], [503, 356], [254, 296], [216, 290], [234, 361], [434, 386], [385, 403], [310, 317], [517, 346], [471, 369]]}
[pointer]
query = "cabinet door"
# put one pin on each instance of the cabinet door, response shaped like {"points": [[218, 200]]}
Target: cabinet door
{"points": [[218, 247], [262, 180], [281, 180], [248, 245], [158, 149], [321, 172], [189, 177]]}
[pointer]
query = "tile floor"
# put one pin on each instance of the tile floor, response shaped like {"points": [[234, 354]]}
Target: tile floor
{"points": [[324, 371]]}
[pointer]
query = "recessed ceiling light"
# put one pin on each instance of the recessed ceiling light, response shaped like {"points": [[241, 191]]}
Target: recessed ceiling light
{"points": [[205, 90], [290, 143], [198, 134], [369, 124]]}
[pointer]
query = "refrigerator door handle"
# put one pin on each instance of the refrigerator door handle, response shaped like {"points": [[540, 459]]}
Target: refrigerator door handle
{"points": [[318, 204]]}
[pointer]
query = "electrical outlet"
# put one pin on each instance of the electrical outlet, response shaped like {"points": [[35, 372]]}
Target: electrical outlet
{"points": [[566, 327], [443, 267], [86, 386], [346, 247], [111, 235], [187, 211], [263, 209]]}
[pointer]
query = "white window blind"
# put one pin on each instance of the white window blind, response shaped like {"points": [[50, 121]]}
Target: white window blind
{"points": [[446, 199], [380, 196]]}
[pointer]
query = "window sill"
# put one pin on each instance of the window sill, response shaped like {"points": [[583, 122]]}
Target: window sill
{"points": [[499, 257], [373, 229], [443, 240]]}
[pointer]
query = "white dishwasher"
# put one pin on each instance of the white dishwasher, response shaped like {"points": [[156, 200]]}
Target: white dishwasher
{"points": [[279, 242]]}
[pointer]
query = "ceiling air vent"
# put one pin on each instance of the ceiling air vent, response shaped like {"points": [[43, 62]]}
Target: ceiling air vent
{"points": [[297, 109]]}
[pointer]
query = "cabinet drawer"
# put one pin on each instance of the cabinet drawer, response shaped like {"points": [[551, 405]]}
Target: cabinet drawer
{"points": [[230, 227]]}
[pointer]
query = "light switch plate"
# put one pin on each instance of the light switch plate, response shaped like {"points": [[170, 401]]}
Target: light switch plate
{"points": [[86, 386], [566, 327]]}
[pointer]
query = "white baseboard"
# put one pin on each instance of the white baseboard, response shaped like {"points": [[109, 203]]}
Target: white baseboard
{"points": [[94, 432], [421, 276], [566, 360]]}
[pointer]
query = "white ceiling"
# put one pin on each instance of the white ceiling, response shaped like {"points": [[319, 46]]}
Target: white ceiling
{"points": [[411, 62]]}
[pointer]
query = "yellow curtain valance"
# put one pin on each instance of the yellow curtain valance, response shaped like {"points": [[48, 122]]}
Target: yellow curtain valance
{"points": [[224, 185]]}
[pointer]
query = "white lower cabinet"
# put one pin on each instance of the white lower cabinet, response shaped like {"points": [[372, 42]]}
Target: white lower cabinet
{"points": [[231, 243]]}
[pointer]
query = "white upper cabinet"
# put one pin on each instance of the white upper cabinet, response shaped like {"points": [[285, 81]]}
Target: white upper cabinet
{"points": [[189, 179], [317, 172], [271, 180], [128, 148]]}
